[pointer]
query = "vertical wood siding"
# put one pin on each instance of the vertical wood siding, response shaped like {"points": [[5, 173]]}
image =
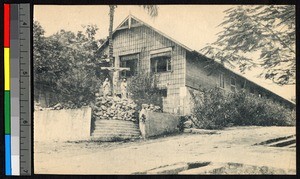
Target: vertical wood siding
{"points": [[198, 77], [142, 40]]}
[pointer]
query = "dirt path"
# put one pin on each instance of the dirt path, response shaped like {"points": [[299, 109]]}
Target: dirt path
{"points": [[231, 145]]}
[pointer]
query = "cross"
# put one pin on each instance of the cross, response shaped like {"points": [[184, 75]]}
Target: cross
{"points": [[115, 69], [114, 79]]}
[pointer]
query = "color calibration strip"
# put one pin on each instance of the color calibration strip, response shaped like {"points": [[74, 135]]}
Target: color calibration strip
{"points": [[7, 131], [17, 102], [14, 89], [24, 37]]}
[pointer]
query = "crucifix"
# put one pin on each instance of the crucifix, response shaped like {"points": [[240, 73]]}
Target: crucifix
{"points": [[115, 75], [115, 64]]}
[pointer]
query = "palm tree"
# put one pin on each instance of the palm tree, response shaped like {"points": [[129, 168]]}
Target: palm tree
{"points": [[152, 10]]}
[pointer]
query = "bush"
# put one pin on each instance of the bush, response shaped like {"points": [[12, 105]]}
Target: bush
{"points": [[214, 110], [143, 90]]}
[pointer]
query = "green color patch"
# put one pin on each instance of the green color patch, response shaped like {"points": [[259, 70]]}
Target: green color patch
{"points": [[7, 112]]}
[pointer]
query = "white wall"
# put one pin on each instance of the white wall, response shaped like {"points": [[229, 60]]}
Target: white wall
{"points": [[62, 125]]}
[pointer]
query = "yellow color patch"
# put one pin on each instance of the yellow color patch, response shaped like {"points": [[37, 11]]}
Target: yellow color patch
{"points": [[6, 69]]}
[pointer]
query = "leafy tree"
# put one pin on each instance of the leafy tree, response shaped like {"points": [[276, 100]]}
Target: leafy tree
{"points": [[67, 64], [267, 30]]}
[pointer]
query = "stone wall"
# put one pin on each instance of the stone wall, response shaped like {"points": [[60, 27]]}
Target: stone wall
{"points": [[157, 124]]}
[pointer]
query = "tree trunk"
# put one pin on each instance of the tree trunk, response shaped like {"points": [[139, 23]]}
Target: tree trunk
{"points": [[110, 42], [111, 22]]}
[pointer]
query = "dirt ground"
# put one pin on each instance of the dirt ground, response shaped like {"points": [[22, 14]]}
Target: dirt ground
{"points": [[234, 144]]}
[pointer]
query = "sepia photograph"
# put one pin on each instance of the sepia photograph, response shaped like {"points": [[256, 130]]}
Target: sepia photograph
{"points": [[164, 89]]}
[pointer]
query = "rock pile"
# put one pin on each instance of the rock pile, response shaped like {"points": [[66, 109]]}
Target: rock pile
{"points": [[107, 108]]}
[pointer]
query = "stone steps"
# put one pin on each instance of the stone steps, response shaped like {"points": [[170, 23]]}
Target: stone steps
{"points": [[112, 138], [112, 130], [115, 122], [112, 121], [121, 136], [116, 133], [102, 127], [113, 125], [101, 131], [106, 126]]}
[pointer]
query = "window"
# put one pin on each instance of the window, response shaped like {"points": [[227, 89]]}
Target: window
{"points": [[129, 61], [161, 62], [221, 80], [232, 84]]}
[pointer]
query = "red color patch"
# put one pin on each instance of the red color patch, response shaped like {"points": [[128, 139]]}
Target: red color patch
{"points": [[7, 25]]}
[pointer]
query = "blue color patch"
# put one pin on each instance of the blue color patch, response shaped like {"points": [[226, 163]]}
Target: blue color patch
{"points": [[7, 155]]}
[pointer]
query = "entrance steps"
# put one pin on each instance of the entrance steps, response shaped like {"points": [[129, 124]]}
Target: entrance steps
{"points": [[115, 130]]}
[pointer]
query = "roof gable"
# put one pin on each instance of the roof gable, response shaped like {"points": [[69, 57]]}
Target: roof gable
{"points": [[131, 21]]}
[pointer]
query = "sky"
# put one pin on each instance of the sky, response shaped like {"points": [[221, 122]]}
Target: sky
{"points": [[195, 26]]}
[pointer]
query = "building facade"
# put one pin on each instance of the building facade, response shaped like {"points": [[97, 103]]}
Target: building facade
{"points": [[179, 69]]}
